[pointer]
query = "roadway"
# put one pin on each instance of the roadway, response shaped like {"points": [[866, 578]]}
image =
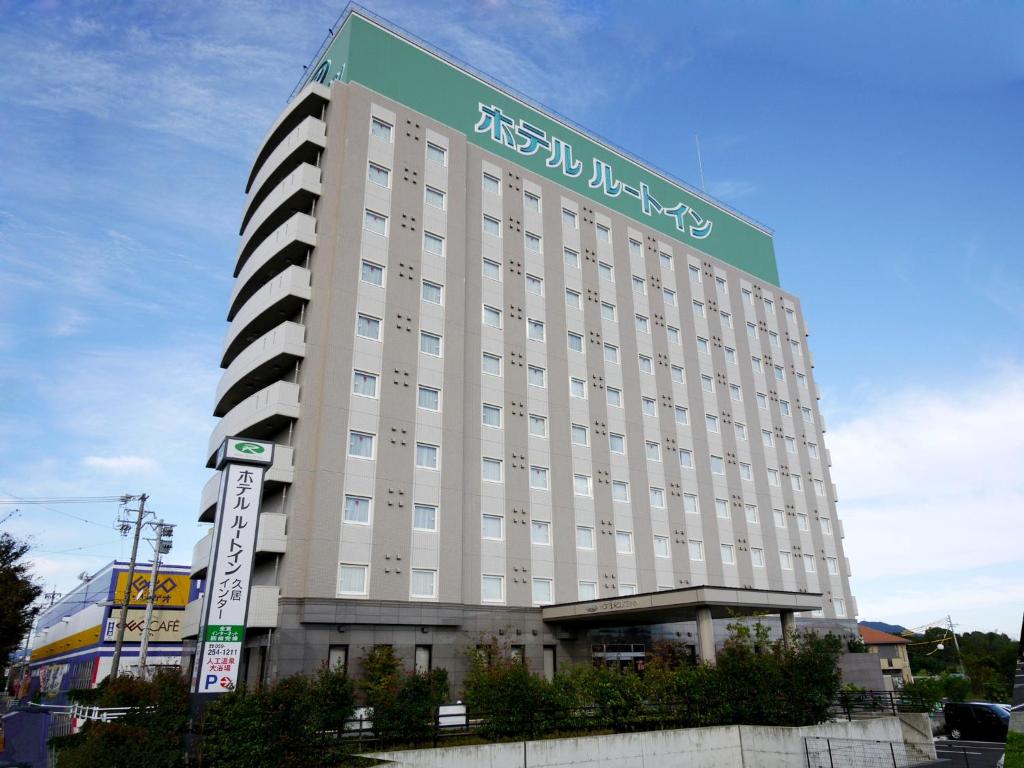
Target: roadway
{"points": [[969, 754]]}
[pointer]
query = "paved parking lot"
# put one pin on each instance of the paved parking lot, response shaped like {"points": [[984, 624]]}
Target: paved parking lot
{"points": [[969, 754]]}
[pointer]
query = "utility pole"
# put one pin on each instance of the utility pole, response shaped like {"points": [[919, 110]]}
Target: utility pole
{"points": [[161, 546], [52, 596], [956, 644], [115, 662]]}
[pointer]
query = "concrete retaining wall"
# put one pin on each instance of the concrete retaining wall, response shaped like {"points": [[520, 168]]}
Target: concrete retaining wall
{"points": [[730, 745]]}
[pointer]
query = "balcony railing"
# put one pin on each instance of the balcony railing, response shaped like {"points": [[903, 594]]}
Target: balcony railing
{"points": [[280, 299], [265, 360], [259, 416]]}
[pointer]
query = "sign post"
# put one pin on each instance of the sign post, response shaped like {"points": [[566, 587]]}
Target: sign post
{"points": [[222, 627]]}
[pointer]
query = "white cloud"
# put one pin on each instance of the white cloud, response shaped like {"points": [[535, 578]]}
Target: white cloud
{"points": [[121, 464]]}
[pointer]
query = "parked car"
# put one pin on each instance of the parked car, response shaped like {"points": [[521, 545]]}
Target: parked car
{"points": [[978, 720]]}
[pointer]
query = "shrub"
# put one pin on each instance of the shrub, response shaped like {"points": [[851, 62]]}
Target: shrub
{"points": [[404, 703]]}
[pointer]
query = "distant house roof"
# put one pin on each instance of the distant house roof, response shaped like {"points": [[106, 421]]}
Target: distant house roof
{"points": [[876, 637]]}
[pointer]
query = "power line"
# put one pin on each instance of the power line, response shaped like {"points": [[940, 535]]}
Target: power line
{"points": [[44, 500]]}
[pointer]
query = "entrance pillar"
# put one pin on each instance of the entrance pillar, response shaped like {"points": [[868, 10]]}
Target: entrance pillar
{"points": [[706, 635], [788, 626]]}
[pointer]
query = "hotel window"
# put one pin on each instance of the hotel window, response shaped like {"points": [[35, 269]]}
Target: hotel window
{"points": [[703, 346], [726, 319], [717, 465], [573, 300], [608, 311], [569, 219], [492, 316], [661, 547], [762, 401], [491, 415], [572, 258], [536, 376], [773, 477], [673, 334], [531, 202], [646, 364], [620, 490], [575, 342], [653, 451], [730, 355], [364, 384], [432, 292], [614, 397], [624, 542], [581, 485], [757, 557], [746, 471], [428, 398], [780, 518], [433, 244], [542, 591], [535, 285], [784, 407], [769, 306], [587, 590], [427, 456], [490, 364], [751, 512], [604, 234], [657, 497], [492, 270], [578, 435], [812, 450], [492, 226], [826, 526], [681, 415], [643, 325], [422, 583], [694, 273], [360, 445], [840, 607], [492, 589], [434, 197], [535, 329], [375, 222], [533, 242], [379, 175], [755, 363], [539, 478], [802, 522], [790, 444], [436, 154], [357, 510], [677, 374], [722, 286], [577, 388], [491, 469], [625, 590], [605, 272], [540, 532], [752, 331], [790, 314], [685, 458], [833, 566], [698, 308], [819, 487], [806, 414], [611, 353], [492, 184], [795, 347], [773, 339], [538, 425], [639, 286], [690, 504], [635, 248], [707, 383], [801, 380], [712, 422], [670, 297], [741, 431], [696, 549], [352, 579], [430, 344], [424, 517], [584, 537], [748, 297], [768, 438], [380, 129], [722, 509], [780, 375], [492, 527], [647, 406], [666, 260], [735, 393], [786, 560], [728, 554], [616, 443]]}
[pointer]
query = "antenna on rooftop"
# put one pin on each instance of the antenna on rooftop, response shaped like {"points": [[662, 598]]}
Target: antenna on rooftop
{"points": [[700, 162]]}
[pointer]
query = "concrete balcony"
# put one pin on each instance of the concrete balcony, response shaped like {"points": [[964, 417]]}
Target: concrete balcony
{"points": [[263, 362], [295, 193], [277, 300], [311, 100], [270, 536], [190, 622], [288, 244], [259, 416], [201, 556], [303, 144], [263, 607], [281, 471]]}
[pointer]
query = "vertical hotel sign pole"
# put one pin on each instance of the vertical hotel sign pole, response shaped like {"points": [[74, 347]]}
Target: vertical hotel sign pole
{"points": [[242, 463]]}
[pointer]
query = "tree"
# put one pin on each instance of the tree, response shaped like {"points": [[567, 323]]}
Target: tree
{"points": [[17, 594]]}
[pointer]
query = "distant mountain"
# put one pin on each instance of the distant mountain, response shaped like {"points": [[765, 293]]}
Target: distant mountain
{"points": [[881, 626]]}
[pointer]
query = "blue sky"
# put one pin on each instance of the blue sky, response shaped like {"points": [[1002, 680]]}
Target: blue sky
{"points": [[881, 142]]}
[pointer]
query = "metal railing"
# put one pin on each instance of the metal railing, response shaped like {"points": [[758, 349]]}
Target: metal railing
{"points": [[860, 753], [853, 704]]}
